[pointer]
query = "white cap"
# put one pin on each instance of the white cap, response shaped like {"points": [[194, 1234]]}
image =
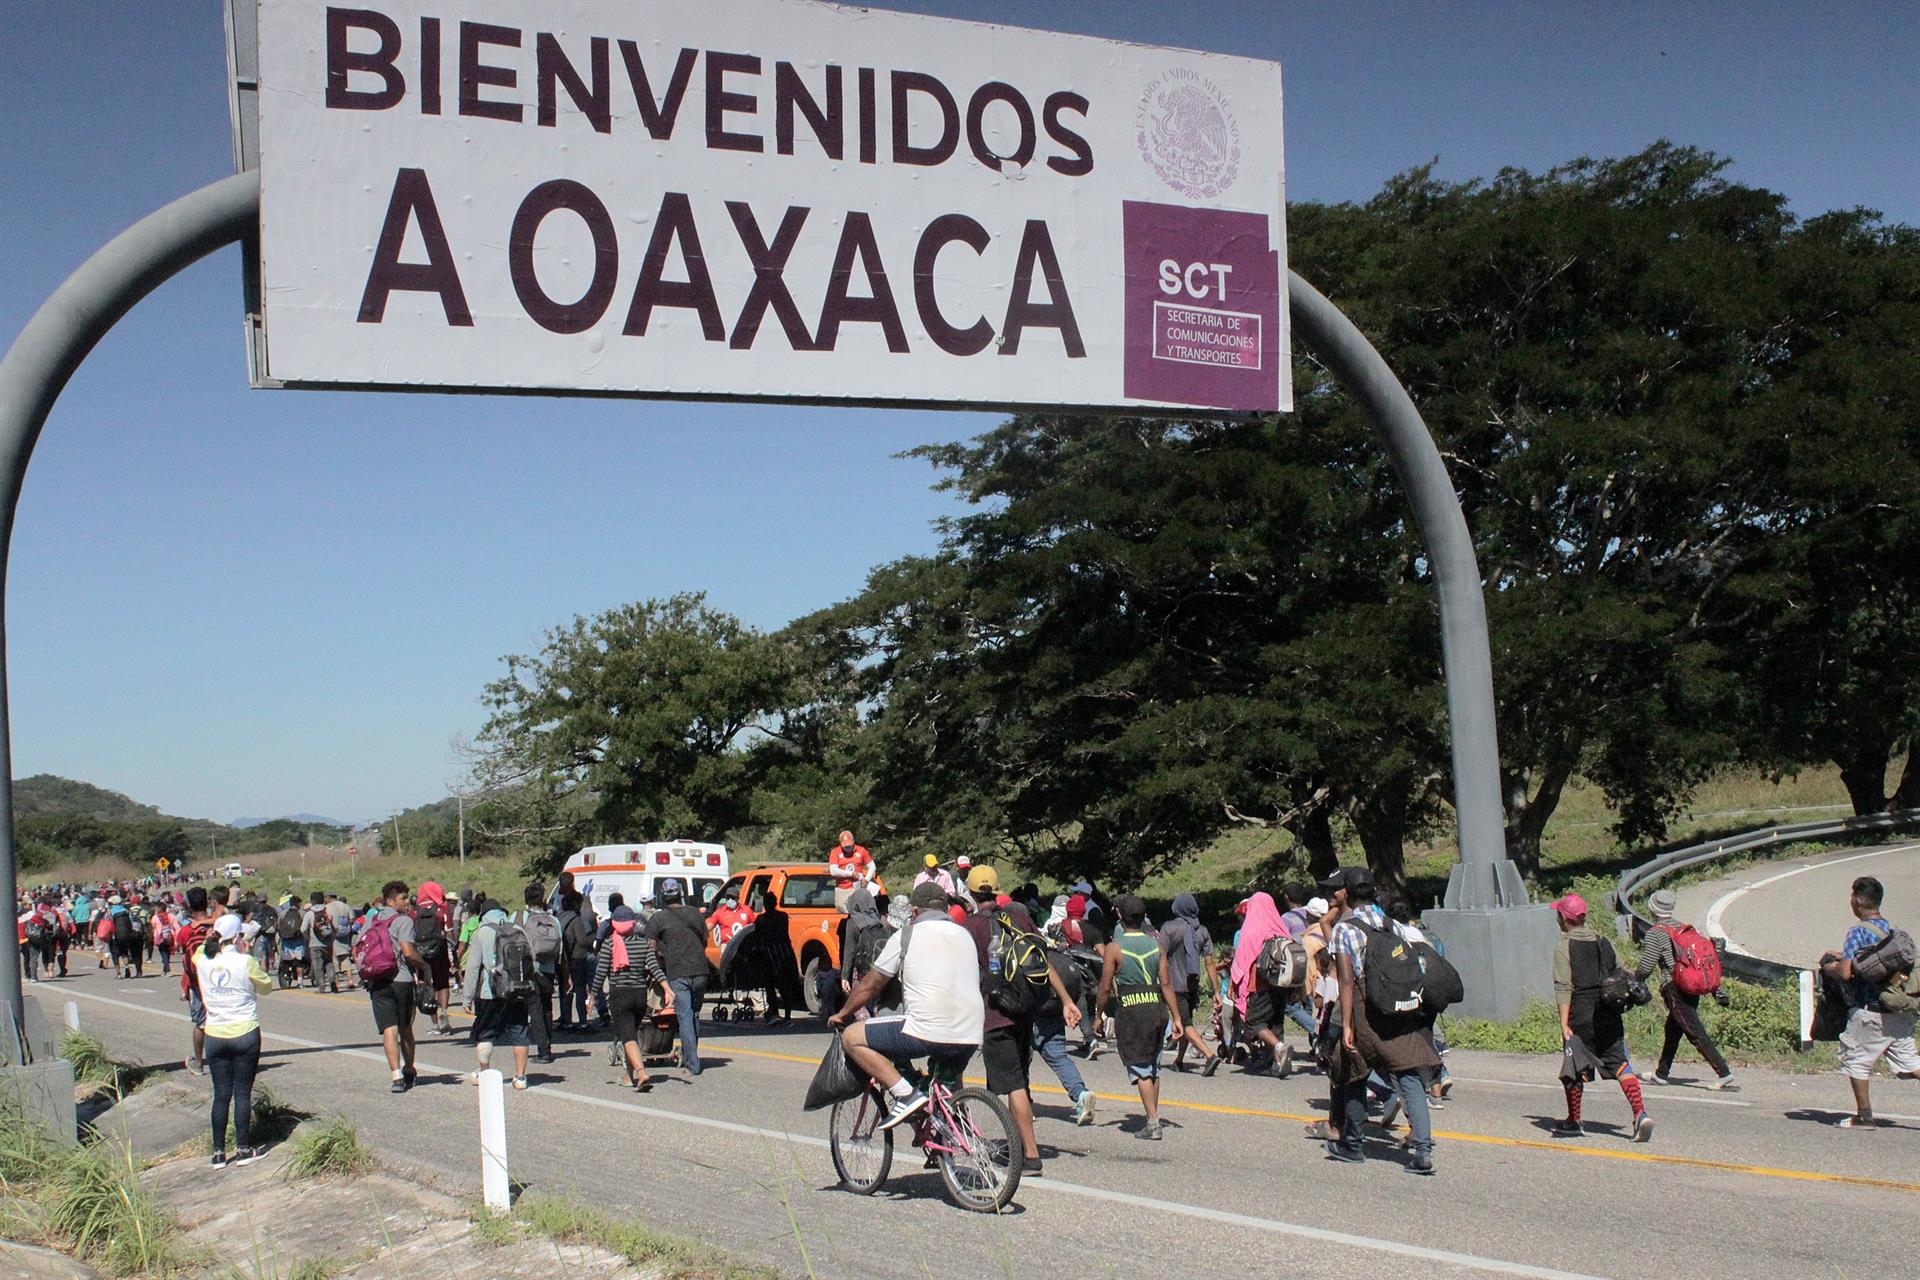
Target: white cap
{"points": [[228, 927], [1315, 908]]}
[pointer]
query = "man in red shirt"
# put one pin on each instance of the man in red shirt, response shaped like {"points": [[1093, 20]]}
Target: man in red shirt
{"points": [[728, 919], [851, 866]]}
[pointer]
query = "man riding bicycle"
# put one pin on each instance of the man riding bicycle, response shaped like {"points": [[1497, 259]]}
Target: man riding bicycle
{"points": [[939, 972]]}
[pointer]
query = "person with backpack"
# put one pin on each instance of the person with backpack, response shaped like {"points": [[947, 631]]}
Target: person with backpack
{"points": [[628, 968], [1013, 959], [164, 928], [120, 933], [389, 965], [1689, 968], [1591, 1023], [1875, 965], [1135, 977], [499, 983], [679, 936], [432, 924], [192, 935], [542, 928], [576, 960], [1189, 949], [1260, 1004], [318, 927], [289, 924], [1382, 1023]]}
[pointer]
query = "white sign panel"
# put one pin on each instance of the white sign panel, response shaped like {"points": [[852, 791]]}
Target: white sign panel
{"points": [[772, 199]]}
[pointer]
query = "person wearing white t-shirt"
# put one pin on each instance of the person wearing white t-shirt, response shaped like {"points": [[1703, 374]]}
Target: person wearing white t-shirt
{"points": [[231, 982], [946, 1017]]}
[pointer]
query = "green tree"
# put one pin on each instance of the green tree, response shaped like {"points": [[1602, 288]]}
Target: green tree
{"points": [[636, 724]]}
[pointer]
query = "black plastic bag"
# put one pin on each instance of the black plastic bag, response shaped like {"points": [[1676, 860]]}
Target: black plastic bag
{"points": [[836, 1080]]}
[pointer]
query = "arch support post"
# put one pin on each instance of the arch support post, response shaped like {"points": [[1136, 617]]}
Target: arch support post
{"points": [[32, 374], [1501, 944]]}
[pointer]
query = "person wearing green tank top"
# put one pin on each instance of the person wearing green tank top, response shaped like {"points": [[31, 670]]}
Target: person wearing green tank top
{"points": [[1135, 978]]}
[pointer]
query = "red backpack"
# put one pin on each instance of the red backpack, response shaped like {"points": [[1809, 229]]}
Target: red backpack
{"points": [[1696, 963], [373, 955]]}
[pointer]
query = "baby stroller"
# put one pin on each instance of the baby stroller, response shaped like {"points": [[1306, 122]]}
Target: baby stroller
{"points": [[731, 999]]}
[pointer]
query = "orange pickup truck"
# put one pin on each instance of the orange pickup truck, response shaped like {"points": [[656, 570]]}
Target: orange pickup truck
{"points": [[804, 891]]}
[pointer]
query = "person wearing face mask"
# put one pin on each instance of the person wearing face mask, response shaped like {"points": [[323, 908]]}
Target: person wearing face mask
{"points": [[851, 867]]}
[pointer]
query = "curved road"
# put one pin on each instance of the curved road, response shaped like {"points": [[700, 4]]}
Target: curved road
{"points": [[1792, 910]]}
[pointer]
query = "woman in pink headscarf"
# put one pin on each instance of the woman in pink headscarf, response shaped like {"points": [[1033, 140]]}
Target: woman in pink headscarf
{"points": [[1261, 1008]]}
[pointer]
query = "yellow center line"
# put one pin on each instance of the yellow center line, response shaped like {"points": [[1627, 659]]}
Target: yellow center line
{"points": [[1483, 1139]]}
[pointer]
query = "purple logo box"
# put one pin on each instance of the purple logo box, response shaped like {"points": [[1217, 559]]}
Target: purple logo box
{"points": [[1203, 307]]}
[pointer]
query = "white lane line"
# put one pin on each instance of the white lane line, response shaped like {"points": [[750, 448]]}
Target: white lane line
{"points": [[1720, 905], [1665, 1093], [1271, 1225]]}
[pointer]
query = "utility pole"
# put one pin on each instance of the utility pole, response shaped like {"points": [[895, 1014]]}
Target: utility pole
{"points": [[460, 810], [398, 848]]}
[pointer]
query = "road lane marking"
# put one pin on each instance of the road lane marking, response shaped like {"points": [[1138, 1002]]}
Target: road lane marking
{"points": [[1665, 1093], [1480, 1139], [1720, 905], [1049, 1185]]}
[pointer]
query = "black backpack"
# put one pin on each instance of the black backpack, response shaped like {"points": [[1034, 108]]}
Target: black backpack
{"points": [[1394, 979], [863, 949], [288, 925], [429, 939], [513, 969], [576, 940], [123, 926], [1024, 980], [1443, 988], [323, 930]]}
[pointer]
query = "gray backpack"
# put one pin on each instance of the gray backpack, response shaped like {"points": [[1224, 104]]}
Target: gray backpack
{"points": [[543, 932], [1880, 962]]}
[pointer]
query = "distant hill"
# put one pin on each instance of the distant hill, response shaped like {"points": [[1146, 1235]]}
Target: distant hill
{"points": [[46, 794], [304, 819]]}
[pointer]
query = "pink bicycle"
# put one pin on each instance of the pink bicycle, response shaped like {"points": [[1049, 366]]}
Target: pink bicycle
{"points": [[966, 1131]]}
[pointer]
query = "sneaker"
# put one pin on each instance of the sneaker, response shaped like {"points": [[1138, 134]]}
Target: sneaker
{"points": [[1083, 1109], [1642, 1127], [196, 1068], [899, 1109], [397, 1086], [1391, 1114], [1444, 1088], [1661, 1078], [1213, 1065], [1339, 1153], [1567, 1129], [1864, 1120], [1422, 1163], [520, 1083], [1031, 1168], [1283, 1062], [246, 1155], [1725, 1084], [219, 1160], [1149, 1132]]}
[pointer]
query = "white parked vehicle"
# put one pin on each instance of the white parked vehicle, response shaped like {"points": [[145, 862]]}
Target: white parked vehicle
{"points": [[635, 870]]}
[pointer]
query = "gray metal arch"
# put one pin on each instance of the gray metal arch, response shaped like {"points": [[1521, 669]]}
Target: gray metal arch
{"points": [[81, 311]]}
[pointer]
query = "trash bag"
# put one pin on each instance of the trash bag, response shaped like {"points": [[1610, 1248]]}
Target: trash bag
{"points": [[837, 1080]]}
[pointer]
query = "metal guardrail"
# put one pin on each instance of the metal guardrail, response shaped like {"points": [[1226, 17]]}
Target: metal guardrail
{"points": [[1741, 965]]}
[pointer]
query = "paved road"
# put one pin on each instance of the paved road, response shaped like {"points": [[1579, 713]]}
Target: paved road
{"points": [[1757, 1184], [1794, 910]]}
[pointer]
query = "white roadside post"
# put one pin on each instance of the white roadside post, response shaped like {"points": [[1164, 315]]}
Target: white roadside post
{"points": [[73, 1015], [1806, 1007], [494, 1191]]}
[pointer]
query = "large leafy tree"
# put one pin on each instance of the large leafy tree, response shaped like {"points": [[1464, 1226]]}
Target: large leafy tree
{"points": [[639, 723]]}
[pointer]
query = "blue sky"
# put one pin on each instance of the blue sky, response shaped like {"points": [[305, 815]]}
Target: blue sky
{"points": [[229, 602]]}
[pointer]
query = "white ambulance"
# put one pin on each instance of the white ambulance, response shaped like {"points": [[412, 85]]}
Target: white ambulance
{"points": [[634, 870]]}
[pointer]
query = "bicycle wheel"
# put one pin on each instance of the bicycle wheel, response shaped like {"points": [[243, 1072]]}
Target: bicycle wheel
{"points": [[862, 1151], [983, 1170]]}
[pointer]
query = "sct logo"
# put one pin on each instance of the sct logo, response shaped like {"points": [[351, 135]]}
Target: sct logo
{"points": [[1192, 281]]}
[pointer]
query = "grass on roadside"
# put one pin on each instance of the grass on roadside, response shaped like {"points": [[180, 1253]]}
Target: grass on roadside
{"points": [[86, 1200], [565, 1222], [93, 1063], [333, 1150]]}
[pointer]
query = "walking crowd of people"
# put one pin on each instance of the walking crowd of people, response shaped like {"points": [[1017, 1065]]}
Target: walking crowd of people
{"points": [[1346, 967]]}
